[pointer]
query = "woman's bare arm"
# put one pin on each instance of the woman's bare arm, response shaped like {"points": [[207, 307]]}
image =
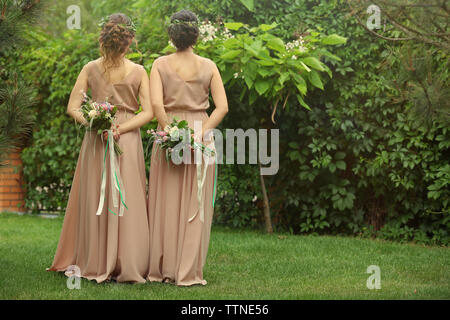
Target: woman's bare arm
{"points": [[146, 114], [220, 101], [76, 97], [156, 90]]}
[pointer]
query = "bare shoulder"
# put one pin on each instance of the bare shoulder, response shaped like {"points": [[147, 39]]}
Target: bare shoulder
{"points": [[207, 60], [88, 66], [161, 58], [158, 60], [134, 65], [209, 63]]}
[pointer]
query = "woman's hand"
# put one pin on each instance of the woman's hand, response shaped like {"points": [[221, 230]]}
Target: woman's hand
{"points": [[198, 136], [116, 133]]}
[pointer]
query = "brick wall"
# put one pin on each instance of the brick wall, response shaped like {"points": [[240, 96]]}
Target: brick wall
{"points": [[12, 193]]}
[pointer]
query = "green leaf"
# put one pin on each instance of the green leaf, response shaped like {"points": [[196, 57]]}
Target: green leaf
{"points": [[252, 97], [276, 44], [182, 124], [313, 63], [231, 54], [252, 50], [243, 92], [227, 74], [339, 155], [300, 83], [249, 4], [267, 27], [302, 102], [134, 55], [333, 39], [265, 62], [328, 54], [233, 25], [341, 165], [314, 78], [231, 43], [262, 86], [305, 66], [248, 81], [332, 167], [283, 77], [265, 72]]}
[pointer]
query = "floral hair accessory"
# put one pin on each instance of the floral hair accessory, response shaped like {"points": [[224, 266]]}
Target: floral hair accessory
{"points": [[189, 23], [130, 26]]}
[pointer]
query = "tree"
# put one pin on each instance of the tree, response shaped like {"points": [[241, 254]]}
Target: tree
{"points": [[423, 29], [16, 97]]}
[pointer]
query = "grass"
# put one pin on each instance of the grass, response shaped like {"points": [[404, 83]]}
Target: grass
{"points": [[240, 265]]}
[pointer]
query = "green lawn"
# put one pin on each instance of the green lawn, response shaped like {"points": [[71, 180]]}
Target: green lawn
{"points": [[240, 265]]}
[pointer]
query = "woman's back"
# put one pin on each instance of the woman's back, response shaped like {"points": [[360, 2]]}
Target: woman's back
{"points": [[186, 81], [119, 85]]}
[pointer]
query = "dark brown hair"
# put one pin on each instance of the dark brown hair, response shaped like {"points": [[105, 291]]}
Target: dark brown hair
{"points": [[183, 30], [115, 39]]}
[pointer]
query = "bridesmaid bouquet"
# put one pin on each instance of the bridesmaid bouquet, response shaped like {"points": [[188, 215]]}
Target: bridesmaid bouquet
{"points": [[175, 133], [100, 116]]}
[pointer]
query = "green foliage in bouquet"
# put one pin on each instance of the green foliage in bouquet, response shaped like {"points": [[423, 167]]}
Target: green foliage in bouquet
{"points": [[99, 116], [176, 134]]}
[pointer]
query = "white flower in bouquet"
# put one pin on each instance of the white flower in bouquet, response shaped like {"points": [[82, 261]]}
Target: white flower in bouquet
{"points": [[92, 114], [174, 133]]}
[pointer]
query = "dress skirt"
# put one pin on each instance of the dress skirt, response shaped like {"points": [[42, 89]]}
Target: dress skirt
{"points": [[106, 246], [178, 248]]}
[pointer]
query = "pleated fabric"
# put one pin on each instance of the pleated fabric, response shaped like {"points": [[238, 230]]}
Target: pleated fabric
{"points": [[108, 246], [179, 247]]}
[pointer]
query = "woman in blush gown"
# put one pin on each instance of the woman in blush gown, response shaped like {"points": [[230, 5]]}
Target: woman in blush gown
{"points": [[109, 246], [179, 230]]}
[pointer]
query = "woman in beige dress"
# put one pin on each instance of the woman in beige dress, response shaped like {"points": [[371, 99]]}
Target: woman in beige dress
{"points": [[109, 246], [179, 86]]}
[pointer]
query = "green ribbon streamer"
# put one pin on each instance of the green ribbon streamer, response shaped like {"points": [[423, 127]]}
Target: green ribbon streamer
{"points": [[120, 190], [109, 145], [215, 182]]}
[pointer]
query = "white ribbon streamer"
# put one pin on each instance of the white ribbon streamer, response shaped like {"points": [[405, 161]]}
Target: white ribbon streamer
{"points": [[200, 182], [114, 183]]}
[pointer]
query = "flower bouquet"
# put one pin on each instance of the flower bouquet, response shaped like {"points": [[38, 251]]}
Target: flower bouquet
{"points": [[175, 133], [100, 116]]}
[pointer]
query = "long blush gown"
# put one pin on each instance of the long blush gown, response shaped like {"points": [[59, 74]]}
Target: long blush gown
{"points": [[108, 246], [178, 247]]}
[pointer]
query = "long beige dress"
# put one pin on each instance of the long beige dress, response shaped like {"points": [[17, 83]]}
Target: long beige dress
{"points": [[178, 247], [108, 246]]}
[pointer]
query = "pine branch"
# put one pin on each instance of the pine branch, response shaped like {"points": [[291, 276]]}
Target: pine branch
{"points": [[404, 22], [15, 16], [17, 118]]}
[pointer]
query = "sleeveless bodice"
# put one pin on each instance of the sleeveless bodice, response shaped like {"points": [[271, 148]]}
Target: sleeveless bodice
{"points": [[124, 94], [187, 95]]}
